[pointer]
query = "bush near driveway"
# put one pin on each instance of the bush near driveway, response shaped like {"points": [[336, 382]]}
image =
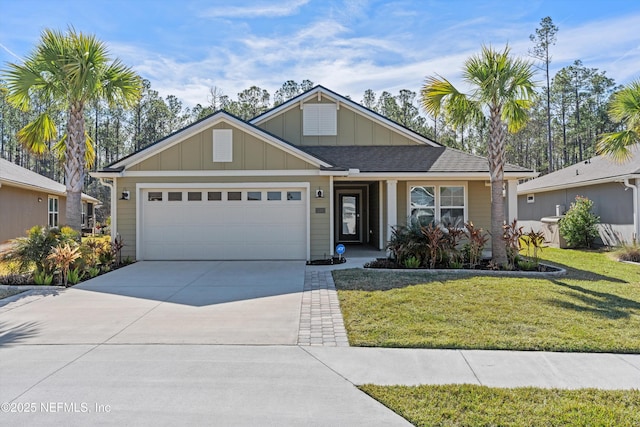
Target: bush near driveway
{"points": [[594, 308]]}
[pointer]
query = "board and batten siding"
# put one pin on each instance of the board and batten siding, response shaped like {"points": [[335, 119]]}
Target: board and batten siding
{"points": [[196, 153], [354, 128], [319, 222]]}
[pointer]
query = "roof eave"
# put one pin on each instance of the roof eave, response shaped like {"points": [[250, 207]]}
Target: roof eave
{"points": [[544, 189]]}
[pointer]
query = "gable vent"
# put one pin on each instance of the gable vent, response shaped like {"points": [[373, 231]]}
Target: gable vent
{"points": [[222, 145], [320, 119]]}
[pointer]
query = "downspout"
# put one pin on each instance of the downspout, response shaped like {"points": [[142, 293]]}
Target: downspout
{"points": [[114, 224], [636, 223]]}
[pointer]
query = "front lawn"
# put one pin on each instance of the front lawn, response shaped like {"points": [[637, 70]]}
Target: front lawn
{"points": [[594, 308], [473, 405]]}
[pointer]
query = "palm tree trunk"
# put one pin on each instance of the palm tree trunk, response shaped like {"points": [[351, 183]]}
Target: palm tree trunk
{"points": [[496, 158], [74, 165]]}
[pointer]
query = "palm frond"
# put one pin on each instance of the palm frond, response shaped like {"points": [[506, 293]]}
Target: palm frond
{"points": [[617, 144], [37, 134], [60, 148]]}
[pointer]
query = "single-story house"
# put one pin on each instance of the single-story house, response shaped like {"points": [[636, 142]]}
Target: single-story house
{"points": [[612, 186], [28, 199], [291, 183]]}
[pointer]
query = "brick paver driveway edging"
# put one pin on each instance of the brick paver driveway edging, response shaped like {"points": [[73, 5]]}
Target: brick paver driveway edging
{"points": [[321, 322]]}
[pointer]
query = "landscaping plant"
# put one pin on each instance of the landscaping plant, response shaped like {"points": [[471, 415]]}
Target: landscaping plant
{"points": [[61, 257], [477, 240], [511, 236], [579, 225]]}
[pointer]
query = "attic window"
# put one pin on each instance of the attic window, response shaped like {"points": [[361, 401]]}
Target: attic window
{"points": [[531, 198], [320, 119], [222, 145]]}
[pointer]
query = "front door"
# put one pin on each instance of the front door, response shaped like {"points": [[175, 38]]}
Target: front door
{"points": [[350, 224]]}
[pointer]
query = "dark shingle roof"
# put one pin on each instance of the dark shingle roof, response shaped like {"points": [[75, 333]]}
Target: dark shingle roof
{"points": [[404, 158], [599, 168]]}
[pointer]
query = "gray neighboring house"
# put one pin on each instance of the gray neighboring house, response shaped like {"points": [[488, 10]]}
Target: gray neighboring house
{"points": [[28, 199], [613, 188]]}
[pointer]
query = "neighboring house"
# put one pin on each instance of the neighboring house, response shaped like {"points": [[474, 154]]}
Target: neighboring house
{"points": [[611, 186], [293, 182], [28, 199]]}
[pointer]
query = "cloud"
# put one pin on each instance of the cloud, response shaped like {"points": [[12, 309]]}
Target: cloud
{"points": [[256, 10]]}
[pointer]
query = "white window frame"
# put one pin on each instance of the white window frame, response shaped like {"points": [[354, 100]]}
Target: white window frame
{"points": [[53, 214], [531, 198], [223, 145], [320, 119], [438, 206]]}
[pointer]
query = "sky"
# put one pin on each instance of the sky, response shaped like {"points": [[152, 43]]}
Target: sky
{"points": [[186, 47]]}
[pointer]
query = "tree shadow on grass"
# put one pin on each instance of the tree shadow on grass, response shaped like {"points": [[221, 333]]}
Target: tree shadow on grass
{"points": [[602, 304], [16, 334], [579, 274]]}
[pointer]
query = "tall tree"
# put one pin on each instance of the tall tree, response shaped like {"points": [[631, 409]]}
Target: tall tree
{"points": [[545, 37], [624, 108], [501, 87], [69, 70]]}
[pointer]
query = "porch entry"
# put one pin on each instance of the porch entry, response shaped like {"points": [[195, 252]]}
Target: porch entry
{"points": [[357, 213]]}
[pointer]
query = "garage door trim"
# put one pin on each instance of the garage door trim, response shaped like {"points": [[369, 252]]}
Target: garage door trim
{"points": [[214, 185]]}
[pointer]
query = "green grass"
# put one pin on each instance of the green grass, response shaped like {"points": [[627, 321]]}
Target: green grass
{"points": [[594, 308], [472, 405]]}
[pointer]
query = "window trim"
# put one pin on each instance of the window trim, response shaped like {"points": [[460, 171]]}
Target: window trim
{"points": [[438, 206], [55, 212], [531, 198]]}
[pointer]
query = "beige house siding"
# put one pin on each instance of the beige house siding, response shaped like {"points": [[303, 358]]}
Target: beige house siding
{"points": [[196, 153], [479, 197], [319, 222], [354, 128], [20, 210]]}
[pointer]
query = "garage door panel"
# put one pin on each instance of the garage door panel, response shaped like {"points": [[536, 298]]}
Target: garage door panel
{"points": [[223, 229]]}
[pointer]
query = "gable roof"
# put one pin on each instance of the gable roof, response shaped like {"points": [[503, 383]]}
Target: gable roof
{"points": [[200, 125], [321, 90], [13, 175], [406, 158], [596, 170]]}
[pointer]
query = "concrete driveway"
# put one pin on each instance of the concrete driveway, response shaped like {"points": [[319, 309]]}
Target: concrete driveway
{"points": [[200, 302], [173, 343]]}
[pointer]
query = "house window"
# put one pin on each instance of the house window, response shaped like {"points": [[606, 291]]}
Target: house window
{"points": [[194, 196], [531, 198], [294, 195], [84, 214], [274, 195], [452, 205], [174, 196], [214, 195], [234, 195], [434, 204], [423, 204], [155, 196], [320, 119], [254, 195], [53, 211], [222, 145]]}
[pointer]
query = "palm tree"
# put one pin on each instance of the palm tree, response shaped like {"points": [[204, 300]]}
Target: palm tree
{"points": [[624, 107], [68, 71], [501, 90]]}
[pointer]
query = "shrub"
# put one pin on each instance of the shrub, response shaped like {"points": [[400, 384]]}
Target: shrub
{"points": [[578, 227], [534, 240], [62, 257], [407, 241], [42, 278], [511, 236], [477, 240], [412, 262], [629, 253]]}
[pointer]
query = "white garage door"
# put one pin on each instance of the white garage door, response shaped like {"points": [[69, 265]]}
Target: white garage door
{"points": [[223, 224]]}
